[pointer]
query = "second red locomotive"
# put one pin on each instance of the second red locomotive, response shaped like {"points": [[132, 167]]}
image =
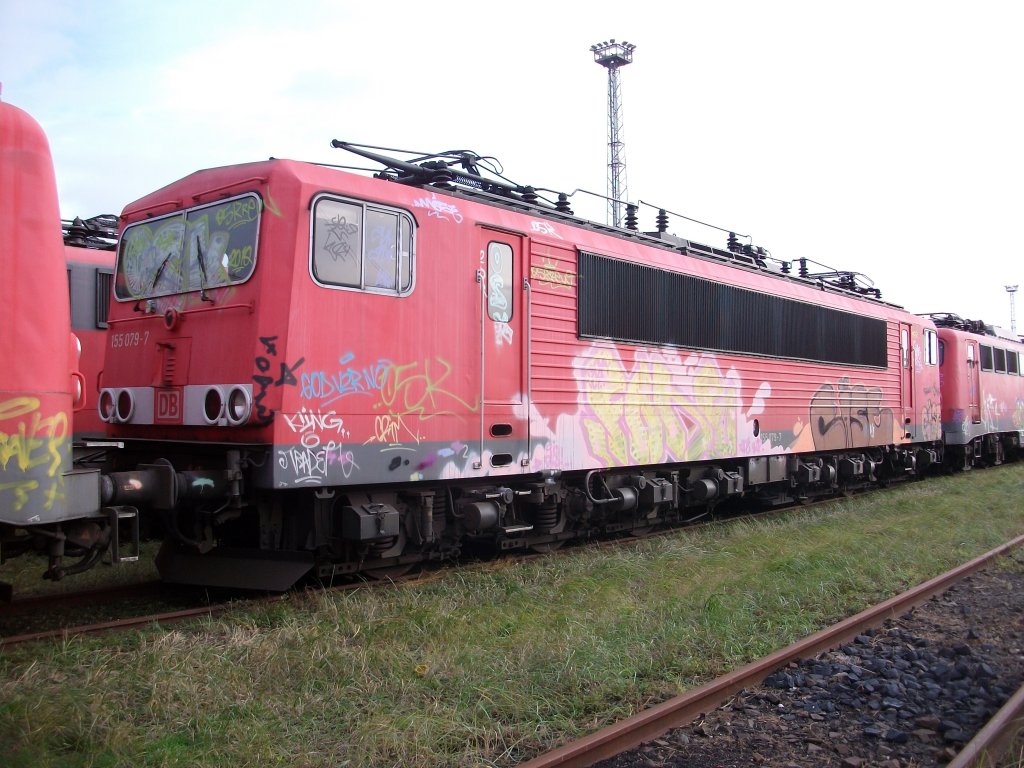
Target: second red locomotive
{"points": [[982, 391], [49, 502]]}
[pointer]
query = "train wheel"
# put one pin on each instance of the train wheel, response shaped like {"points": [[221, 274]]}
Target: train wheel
{"points": [[384, 550]]}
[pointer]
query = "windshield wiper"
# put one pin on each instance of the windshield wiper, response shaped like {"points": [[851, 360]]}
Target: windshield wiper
{"points": [[202, 272], [159, 271]]}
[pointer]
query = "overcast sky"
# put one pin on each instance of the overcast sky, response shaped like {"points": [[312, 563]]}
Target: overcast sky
{"points": [[880, 137]]}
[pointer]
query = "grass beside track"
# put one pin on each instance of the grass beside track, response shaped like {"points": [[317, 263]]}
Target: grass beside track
{"points": [[487, 666], [25, 574]]}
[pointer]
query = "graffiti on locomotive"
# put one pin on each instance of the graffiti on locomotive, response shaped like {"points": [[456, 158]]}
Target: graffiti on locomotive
{"points": [[205, 247], [32, 445]]}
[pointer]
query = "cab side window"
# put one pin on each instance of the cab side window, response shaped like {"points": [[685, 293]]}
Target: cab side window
{"points": [[931, 347], [361, 246], [986, 357]]}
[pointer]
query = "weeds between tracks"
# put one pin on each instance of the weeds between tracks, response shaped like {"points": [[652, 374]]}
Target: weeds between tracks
{"points": [[487, 666]]}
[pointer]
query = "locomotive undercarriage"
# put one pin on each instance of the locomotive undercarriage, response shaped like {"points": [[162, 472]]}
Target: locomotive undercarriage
{"points": [[269, 540], [985, 451], [220, 529], [75, 546], [96, 527]]}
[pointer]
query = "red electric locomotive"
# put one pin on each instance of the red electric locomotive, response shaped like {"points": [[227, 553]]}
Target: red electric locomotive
{"points": [[313, 370], [89, 249], [46, 502], [982, 374]]}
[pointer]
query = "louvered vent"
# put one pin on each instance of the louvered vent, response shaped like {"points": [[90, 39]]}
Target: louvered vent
{"points": [[104, 284], [624, 301]]}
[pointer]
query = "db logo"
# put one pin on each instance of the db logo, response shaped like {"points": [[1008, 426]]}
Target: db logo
{"points": [[168, 405]]}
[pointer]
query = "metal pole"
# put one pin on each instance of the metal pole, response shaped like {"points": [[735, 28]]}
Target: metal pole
{"points": [[612, 56], [1012, 289]]}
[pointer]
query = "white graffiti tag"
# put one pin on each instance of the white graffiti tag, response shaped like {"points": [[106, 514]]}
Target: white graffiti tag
{"points": [[438, 208], [502, 334], [545, 228], [306, 421]]}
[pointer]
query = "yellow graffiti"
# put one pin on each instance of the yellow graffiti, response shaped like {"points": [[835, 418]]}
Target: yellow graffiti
{"points": [[28, 440], [238, 212], [417, 389], [659, 411], [716, 410], [389, 429], [35, 441], [21, 489], [52, 493], [144, 253], [18, 406], [550, 273], [240, 258], [271, 204]]}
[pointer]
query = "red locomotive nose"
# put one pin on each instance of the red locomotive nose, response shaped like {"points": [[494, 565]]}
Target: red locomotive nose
{"points": [[36, 385]]}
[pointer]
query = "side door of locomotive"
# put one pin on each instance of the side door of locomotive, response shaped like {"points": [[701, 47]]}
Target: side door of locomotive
{"points": [[973, 363], [907, 375], [504, 331]]}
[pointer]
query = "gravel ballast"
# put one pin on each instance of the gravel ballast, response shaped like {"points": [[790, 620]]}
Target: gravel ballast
{"points": [[911, 693]]}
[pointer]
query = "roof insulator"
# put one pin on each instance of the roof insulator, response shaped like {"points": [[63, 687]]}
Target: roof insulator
{"points": [[631, 217], [662, 220], [77, 233]]}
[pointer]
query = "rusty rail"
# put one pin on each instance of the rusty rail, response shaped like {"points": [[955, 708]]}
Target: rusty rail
{"points": [[992, 741], [116, 624], [658, 720]]}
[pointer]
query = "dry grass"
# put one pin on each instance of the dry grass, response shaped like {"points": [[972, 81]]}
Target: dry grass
{"points": [[486, 666]]}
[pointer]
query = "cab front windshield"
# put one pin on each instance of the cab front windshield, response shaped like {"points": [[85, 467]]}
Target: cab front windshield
{"points": [[203, 247]]}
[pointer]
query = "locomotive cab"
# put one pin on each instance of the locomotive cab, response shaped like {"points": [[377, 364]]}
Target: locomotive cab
{"points": [[275, 370], [47, 503]]}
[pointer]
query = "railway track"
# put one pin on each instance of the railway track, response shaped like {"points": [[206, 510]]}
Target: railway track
{"points": [[85, 597], [652, 724], [137, 620], [96, 610], [167, 617], [120, 606]]}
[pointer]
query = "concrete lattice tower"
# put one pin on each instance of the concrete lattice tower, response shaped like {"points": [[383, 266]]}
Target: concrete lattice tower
{"points": [[613, 56]]}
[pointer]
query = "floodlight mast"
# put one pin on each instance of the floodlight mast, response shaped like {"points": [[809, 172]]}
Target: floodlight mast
{"points": [[612, 55], [1012, 289]]}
